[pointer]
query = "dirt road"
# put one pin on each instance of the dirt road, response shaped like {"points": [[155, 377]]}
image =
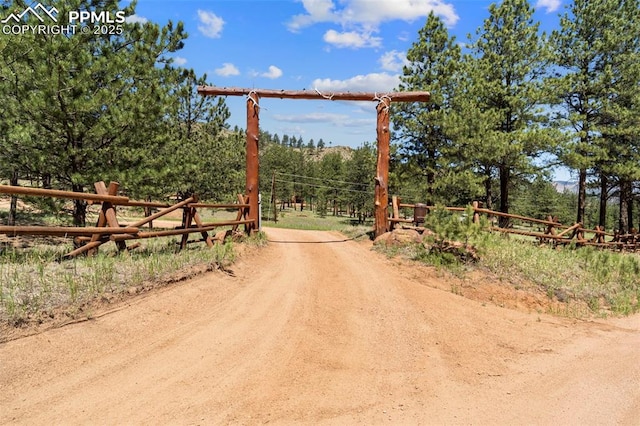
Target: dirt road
{"points": [[318, 330]]}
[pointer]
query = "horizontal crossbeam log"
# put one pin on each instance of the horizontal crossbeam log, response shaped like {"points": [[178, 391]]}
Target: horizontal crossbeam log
{"points": [[196, 205], [24, 190], [180, 231], [524, 218], [83, 249], [149, 204], [165, 211], [219, 206], [62, 231], [531, 234], [314, 94]]}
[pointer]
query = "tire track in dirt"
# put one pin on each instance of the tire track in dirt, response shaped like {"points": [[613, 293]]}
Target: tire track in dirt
{"points": [[318, 330]]}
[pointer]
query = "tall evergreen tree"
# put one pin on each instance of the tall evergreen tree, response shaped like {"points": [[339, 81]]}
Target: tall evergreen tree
{"points": [[331, 168], [359, 170], [511, 58], [201, 155], [419, 128], [277, 160], [582, 53], [473, 129], [620, 126], [90, 98]]}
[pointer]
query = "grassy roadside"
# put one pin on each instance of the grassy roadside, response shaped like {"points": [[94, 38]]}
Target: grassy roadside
{"points": [[35, 287], [605, 282]]}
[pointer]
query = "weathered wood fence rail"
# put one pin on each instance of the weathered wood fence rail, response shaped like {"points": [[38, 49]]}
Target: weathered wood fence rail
{"points": [[109, 229], [554, 232]]}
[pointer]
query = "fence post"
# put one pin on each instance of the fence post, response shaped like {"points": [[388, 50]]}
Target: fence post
{"points": [[396, 211], [382, 174], [198, 220], [13, 206], [148, 212], [253, 166], [108, 210], [260, 211], [551, 230], [476, 215], [187, 218], [274, 198]]}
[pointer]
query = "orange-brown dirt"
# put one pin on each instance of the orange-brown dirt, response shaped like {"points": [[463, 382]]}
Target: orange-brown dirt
{"points": [[316, 329]]}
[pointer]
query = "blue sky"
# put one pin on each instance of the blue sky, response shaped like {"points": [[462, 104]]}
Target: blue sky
{"points": [[323, 45]]}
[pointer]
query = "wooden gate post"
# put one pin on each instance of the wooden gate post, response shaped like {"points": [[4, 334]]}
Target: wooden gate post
{"points": [[382, 168], [253, 166]]}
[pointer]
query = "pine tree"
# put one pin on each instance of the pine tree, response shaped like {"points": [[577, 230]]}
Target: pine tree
{"points": [[581, 52], [358, 172], [511, 58], [418, 127], [596, 49], [331, 168], [202, 155], [620, 125], [93, 101], [18, 159]]}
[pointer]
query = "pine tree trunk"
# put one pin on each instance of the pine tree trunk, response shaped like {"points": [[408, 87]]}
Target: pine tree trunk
{"points": [[488, 190], [604, 181], [623, 220], [13, 208], [431, 180], [46, 181], [79, 208], [582, 195], [505, 177], [630, 210], [431, 176]]}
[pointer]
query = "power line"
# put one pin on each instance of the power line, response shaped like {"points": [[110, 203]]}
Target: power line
{"points": [[322, 179], [323, 186]]}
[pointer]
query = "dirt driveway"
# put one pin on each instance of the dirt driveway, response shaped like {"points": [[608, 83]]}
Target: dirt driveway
{"points": [[318, 330]]}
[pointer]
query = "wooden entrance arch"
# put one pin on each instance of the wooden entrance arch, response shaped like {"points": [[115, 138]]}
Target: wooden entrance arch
{"points": [[382, 132]]}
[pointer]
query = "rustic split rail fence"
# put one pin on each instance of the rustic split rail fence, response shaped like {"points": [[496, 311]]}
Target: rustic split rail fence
{"points": [[109, 229], [553, 232]]}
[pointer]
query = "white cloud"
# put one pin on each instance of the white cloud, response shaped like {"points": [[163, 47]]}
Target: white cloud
{"points": [[227, 69], [136, 19], [375, 82], [369, 123], [405, 10], [362, 12], [318, 11], [211, 24], [550, 5], [313, 117], [351, 39], [273, 73], [393, 61], [179, 61], [292, 130], [341, 120]]}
